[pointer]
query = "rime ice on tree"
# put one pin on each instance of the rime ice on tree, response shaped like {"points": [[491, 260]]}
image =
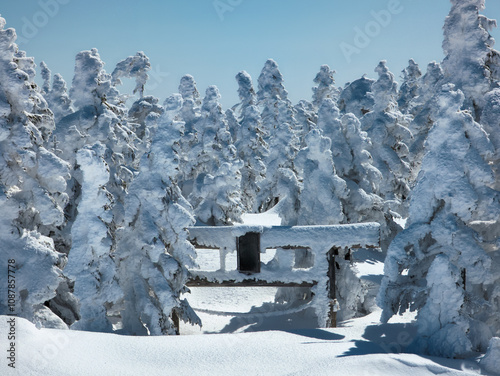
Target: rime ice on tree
{"points": [[153, 248], [439, 254], [471, 63], [32, 185]]}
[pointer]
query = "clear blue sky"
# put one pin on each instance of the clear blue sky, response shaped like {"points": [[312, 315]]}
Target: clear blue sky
{"points": [[191, 36]]}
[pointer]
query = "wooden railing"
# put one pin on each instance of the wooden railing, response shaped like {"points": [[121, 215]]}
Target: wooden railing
{"points": [[323, 242]]}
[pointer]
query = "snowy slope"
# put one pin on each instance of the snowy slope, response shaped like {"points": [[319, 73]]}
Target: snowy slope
{"points": [[361, 347]]}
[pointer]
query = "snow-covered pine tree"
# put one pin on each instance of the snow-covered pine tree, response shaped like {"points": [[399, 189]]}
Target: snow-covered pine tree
{"points": [[387, 128], [139, 112], [277, 110], [490, 120], [363, 179], [471, 63], [306, 118], [91, 264], [190, 115], [331, 126], [322, 191], [233, 126], [32, 195], [46, 75], [97, 133], [137, 67], [153, 249], [56, 94], [278, 123], [250, 144], [437, 265], [356, 98], [306, 113], [409, 87], [354, 164], [216, 196], [421, 108], [246, 92], [326, 87]]}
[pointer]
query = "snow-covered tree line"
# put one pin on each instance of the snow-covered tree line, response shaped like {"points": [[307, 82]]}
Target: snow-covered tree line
{"points": [[97, 194]]}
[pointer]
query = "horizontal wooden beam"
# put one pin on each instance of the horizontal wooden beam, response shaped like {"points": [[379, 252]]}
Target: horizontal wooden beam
{"points": [[203, 282]]}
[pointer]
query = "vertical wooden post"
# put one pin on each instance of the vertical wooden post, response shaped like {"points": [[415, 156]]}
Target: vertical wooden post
{"points": [[332, 313], [176, 321], [248, 250]]}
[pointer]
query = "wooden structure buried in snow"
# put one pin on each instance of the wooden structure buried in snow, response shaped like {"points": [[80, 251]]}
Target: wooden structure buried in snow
{"points": [[323, 242]]}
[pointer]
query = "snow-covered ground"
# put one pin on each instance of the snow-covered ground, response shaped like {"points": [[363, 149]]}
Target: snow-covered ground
{"points": [[359, 347], [244, 333]]}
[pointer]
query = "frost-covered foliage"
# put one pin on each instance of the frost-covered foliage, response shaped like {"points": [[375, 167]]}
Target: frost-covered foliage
{"points": [[246, 92], [32, 185], [133, 67], [322, 191], [491, 361], [216, 196], [409, 87], [326, 86], [272, 96], [439, 255], [356, 98], [56, 94], [306, 117], [421, 107], [471, 63], [46, 74], [189, 114], [139, 112], [90, 263], [387, 128], [153, 249], [249, 142], [490, 120], [278, 124], [97, 133]]}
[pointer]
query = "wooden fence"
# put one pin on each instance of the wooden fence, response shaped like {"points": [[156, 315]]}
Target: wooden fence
{"points": [[324, 244]]}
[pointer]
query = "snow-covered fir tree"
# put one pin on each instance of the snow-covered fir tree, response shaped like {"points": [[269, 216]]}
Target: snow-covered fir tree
{"points": [[421, 108], [437, 265], [56, 94], [326, 86], [277, 110], [278, 123], [46, 75], [409, 87], [306, 118], [471, 63], [153, 249], [249, 142], [490, 120], [322, 189], [356, 98], [387, 128], [190, 114], [97, 133], [137, 67], [91, 264], [32, 185], [216, 196], [139, 112]]}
